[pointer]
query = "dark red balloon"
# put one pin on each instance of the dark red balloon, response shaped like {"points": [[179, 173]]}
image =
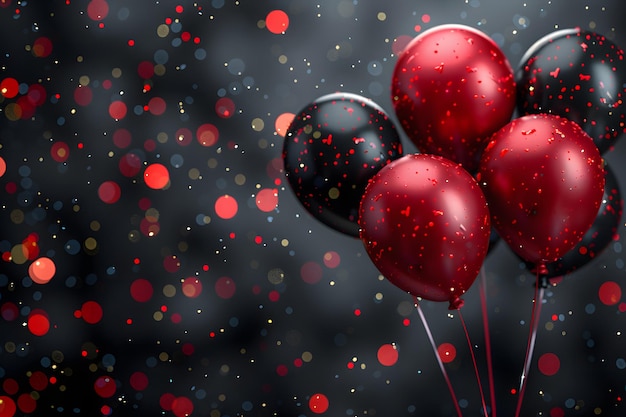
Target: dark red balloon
{"points": [[452, 87], [543, 178], [425, 225], [602, 232], [332, 148], [579, 75]]}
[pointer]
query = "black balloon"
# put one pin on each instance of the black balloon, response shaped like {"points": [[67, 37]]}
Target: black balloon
{"points": [[579, 75], [331, 150], [603, 231]]}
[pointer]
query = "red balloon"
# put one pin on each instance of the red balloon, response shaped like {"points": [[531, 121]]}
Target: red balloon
{"points": [[425, 225], [543, 178], [452, 88]]}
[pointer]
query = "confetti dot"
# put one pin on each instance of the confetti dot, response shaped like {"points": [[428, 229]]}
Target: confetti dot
{"points": [[7, 406], [38, 381], [311, 272], [157, 106], [42, 47], [267, 199], [447, 352], [105, 386], [610, 293], [207, 134], [109, 192], [129, 165], [318, 403], [91, 312], [60, 151], [38, 322], [139, 381], [277, 21], [192, 287], [387, 355], [26, 403], [226, 207], [117, 109], [42, 270], [332, 259], [282, 123], [83, 95], [182, 407], [225, 107], [9, 87], [156, 176], [97, 9], [3, 166], [549, 364], [141, 290], [225, 287]]}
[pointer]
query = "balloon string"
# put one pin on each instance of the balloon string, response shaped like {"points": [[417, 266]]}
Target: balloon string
{"points": [[534, 324], [441, 367], [483, 303], [469, 343]]}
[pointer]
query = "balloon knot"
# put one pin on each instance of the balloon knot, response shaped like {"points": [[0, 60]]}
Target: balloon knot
{"points": [[456, 303], [541, 269]]}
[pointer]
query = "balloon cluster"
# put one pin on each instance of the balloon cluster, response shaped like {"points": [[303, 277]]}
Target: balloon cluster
{"points": [[538, 178]]}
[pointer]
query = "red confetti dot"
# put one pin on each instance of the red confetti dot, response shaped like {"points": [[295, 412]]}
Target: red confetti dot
{"points": [[183, 136], [97, 9], [157, 106], [156, 176], [10, 386], [557, 412], [281, 125], [42, 270], [36, 94], [117, 110], [171, 264], [7, 406], [91, 312], [311, 272], [610, 293], [38, 381], [318, 403], [267, 199], [274, 296], [83, 95], [42, 47], [139, 381], [26, 403], [225, 107], [38, 322], [225, 287], [145, 69], [226, 207], [109, 192], [282, 370], [549, 364], [207, 134], [277, 21], [332, 259], [192, 287], [447, 352], [3, 166], [9, 87], [387, 355], [105, 386], [129, 165], [9, 311], [182, 407], [141, 290], [166, 401], [188, 349], [60, 151]]}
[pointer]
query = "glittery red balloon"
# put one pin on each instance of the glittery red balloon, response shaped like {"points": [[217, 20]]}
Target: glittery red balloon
{"points": [[452, 87], [425, 225], [543, 178], [579, 75]]}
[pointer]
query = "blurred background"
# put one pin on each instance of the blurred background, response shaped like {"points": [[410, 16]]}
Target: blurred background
{"points": [[216, 293]]}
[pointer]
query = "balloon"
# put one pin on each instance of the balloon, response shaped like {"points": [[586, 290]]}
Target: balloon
{"points": [[331, 149], [425, 225], [543, 178], [452, 87], [579, 75], [603, 231]]}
